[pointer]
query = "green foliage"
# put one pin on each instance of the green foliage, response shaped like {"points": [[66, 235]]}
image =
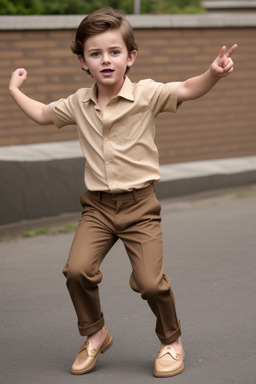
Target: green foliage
{"points": [[176, 6], [72, 7]]}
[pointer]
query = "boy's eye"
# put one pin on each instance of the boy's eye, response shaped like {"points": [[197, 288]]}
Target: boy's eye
{"points": [[95, 54], [115, 52]]}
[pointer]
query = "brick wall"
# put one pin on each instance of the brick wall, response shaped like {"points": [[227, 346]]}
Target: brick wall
{"points": [[220, 125]]}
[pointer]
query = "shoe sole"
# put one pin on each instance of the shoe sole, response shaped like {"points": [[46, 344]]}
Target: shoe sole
{"points": [[169, 374], [89, 369]]}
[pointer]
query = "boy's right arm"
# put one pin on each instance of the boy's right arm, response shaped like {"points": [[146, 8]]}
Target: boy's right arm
{"points": [[33, 109]]}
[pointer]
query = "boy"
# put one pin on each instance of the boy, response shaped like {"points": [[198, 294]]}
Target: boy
{"points": [[115, 120]]}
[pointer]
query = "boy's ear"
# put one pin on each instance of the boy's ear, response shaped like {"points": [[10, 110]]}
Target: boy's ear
{"points": [[131, 58], [82, 62]]}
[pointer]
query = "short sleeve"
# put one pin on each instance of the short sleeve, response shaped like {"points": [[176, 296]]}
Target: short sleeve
{"points": [[162, 96], [62, 112]]}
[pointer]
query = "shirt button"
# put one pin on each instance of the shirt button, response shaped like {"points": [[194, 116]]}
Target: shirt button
{"points": [[107, 162]]}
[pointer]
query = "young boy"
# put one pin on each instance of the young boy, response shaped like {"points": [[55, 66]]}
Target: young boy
{"points": [[115, 120]]}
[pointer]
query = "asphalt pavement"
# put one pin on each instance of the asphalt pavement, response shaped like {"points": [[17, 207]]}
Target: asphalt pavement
{"points": [[210, 256]]}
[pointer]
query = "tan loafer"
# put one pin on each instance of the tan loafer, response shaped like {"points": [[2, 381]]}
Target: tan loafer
{"points": [[168, 362], [87, 355]]}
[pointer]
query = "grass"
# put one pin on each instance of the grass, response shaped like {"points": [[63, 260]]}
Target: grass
{"points": [[6, 240], [35, 232], [66, 229], [55, 231], [43, 231], [242, 194]]}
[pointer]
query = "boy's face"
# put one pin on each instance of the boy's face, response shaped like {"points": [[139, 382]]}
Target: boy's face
{"points": [[106, 57]]}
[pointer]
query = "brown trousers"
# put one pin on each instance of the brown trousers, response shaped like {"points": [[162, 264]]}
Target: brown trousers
{"points": [[135, 218]]}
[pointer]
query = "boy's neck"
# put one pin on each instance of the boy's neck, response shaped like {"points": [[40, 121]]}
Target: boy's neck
{"points": [[105, 94]]}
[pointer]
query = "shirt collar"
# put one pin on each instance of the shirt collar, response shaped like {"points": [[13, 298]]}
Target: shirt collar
{"points": [[125, 92]]}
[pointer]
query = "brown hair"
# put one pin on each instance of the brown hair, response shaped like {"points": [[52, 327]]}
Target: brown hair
{"points": [[100, 21]]}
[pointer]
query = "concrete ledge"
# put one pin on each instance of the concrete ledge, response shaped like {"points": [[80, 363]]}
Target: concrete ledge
{"points": [[211, 20], [45, 180], [31, 190], [201, 176]]}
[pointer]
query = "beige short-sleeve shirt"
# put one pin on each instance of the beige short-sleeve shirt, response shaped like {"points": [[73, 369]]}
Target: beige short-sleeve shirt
{"points": [[118, 145]]}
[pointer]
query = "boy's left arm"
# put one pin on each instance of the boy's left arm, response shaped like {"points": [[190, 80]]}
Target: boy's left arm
{"points": [[198, 86]]}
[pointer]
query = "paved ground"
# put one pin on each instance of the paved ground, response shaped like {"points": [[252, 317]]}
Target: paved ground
{"points": [[210, 248]]}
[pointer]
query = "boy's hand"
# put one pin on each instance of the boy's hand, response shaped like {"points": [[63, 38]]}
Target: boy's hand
{"points": [[198, 86], [34, 109], [223, 64], [17, 79]]}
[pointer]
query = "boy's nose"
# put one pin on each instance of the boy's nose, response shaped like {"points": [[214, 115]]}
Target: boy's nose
{"points": [[106, 58]]}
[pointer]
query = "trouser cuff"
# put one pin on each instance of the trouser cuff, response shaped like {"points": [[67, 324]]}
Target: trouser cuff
{"points": [[171, 338], [93, 328]]}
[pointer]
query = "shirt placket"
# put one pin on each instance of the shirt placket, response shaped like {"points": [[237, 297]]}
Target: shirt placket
{"points": [[107, 149]]}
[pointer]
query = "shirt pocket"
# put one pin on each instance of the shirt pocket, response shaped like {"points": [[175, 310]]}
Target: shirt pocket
{"points": [[128, 129]]}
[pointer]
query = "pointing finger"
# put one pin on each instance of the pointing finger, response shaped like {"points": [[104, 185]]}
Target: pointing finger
{"points": [[222, 51], [232, 50]]}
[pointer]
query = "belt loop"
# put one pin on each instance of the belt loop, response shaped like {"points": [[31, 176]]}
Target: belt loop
{"points": [[100, 195], [135, 195]]}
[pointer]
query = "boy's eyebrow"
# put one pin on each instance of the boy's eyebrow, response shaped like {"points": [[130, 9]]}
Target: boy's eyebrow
{"points": [[99, 49]]}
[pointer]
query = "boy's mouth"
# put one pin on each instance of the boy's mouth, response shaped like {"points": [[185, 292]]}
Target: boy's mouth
{"points": [[107, 71]]}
